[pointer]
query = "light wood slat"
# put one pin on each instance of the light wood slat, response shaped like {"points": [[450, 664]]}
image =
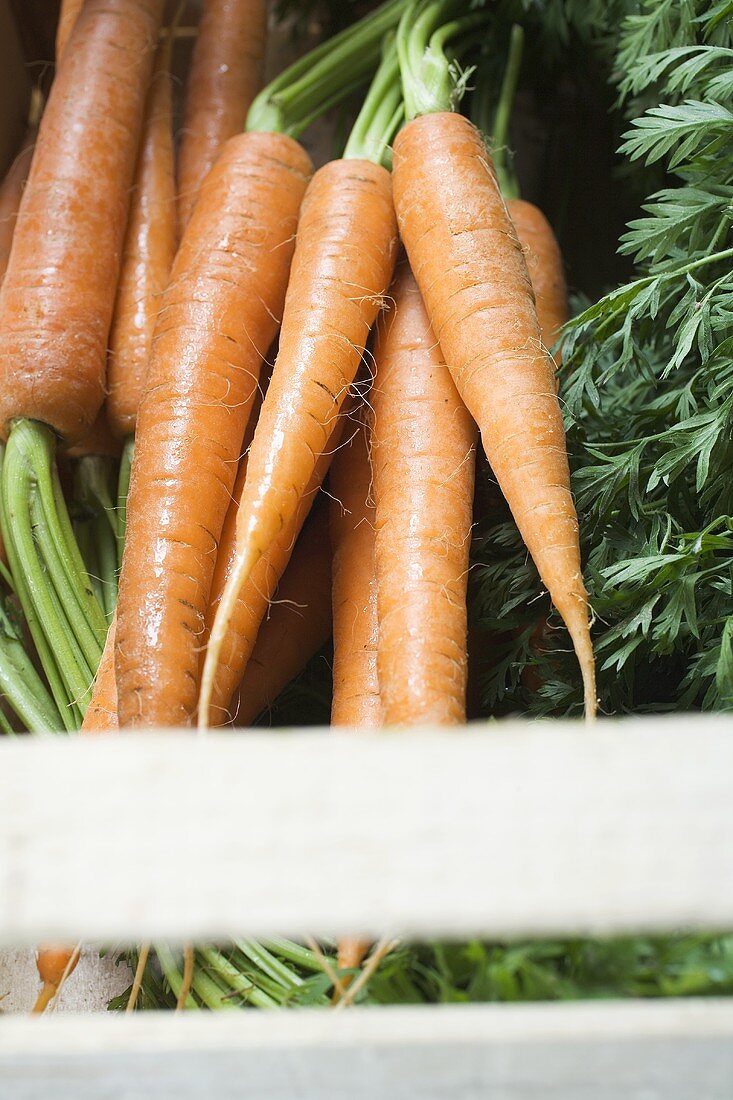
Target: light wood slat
{"points": [[634, 1051], [505, 830]]}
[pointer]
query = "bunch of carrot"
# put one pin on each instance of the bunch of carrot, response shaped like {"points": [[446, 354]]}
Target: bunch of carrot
{"points": [[409, 308]]}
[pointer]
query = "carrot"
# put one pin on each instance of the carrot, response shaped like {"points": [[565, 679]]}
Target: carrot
{"points": [[544, 264], [57, 296], [11, 192], [356, 701], [101, 715], [255, 596], [217, 319], [68, 16], [540, 247], [225, 75], [150, 246], [55, 962], [344, 257], [473, 278], [297, 625], [423, 454]]}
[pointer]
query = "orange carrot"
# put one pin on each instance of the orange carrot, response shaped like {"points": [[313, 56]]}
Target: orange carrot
{"points": [[68, 15], [150, 246], [423, 456], [297, 625], [225, 75], [218, 318], [55, 962], [256, 595], [101, 714], [344, 257], [11, 192], [58, 292], [473, 277], [545, 266], [356, 702]]}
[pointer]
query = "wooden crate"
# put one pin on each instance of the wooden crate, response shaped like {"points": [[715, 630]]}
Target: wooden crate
{"points": [[501, 830]]}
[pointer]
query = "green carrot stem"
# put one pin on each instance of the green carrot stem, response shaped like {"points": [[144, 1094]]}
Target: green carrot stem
{"points": [[431, 81], [88, 551], [95, 486], [382, 111], [501, 156], [105, 543], [295, 953], [234, 979], [123, 488], [21, 685], [48, 628], [6, 576], [269, 964], [172, 974], [326, 72], [5, 727], [81, 636]]}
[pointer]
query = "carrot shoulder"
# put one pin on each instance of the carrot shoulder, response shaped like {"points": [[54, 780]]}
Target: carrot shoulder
{"points": [[218, 318], [473, 277], [150, 246], [423, 456], [225, 75], [343, 263], [58, 292], [101, 714]]}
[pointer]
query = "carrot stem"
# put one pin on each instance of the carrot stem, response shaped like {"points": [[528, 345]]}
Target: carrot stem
{"points": [[431, 81], [21, 515], [123, 488], [21, 685], [239, 983], [172, 974], [94, 478], [501, 154], [382, 112], [292, 99]]}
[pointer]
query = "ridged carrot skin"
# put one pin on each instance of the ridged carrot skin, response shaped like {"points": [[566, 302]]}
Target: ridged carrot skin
{"points": [[545, 266], [355, 687], [101, 714], [258, 591], [68, 15], [58, 292], [11, 192], [473, 278], [297, 624], [225, 76], [343, 263], [150, 246], [423, 458], [219, 316]]}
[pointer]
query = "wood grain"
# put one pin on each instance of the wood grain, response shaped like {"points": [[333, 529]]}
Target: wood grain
{"points": [[502, 830]]}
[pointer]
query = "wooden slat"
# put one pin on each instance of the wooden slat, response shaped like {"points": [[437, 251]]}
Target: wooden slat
{"points": [[501, 830], [633, 1051]]}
